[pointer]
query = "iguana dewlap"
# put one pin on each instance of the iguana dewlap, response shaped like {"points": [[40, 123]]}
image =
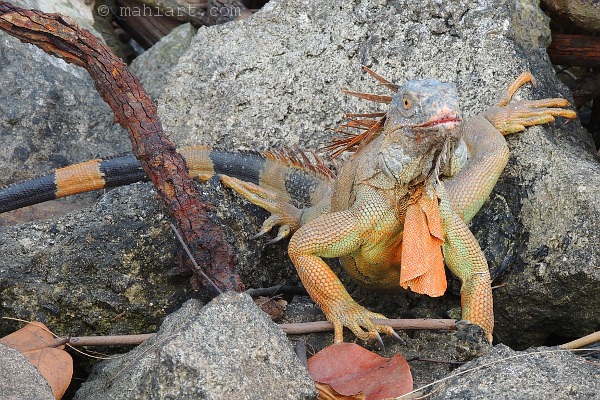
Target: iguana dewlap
{"points": [[393, 214]]}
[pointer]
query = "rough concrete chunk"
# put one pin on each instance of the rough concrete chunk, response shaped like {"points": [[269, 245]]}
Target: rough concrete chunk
{"points": [[154, 66], [19, 379], [226, 350], [537, 374], [276, 79]]}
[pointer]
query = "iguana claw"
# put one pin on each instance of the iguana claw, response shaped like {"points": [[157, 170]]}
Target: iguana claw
{"points": [[378, 338], [398, 338], [269, 223], [284, 231]]}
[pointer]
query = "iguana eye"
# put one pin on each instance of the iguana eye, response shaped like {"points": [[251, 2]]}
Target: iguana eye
{"points": [[407, 102]]}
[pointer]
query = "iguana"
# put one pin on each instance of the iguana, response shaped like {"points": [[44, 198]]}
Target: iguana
{"points": [[396, 210]]}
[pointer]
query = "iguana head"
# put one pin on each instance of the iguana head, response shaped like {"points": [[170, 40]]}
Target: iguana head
{"points": [[420, 131]]}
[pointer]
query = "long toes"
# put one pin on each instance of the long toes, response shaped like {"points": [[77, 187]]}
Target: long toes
{"points": [[544, 103], [535, 120], [359, 332], [515, 85], [511, 128], [338, 331], [562, 112]]}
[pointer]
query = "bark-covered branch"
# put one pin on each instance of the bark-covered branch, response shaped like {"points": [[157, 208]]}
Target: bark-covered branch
{"points": [[136, 112]]}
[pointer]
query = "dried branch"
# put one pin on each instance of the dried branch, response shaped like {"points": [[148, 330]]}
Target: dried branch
{"points": [[136, 112], [400, 324]]}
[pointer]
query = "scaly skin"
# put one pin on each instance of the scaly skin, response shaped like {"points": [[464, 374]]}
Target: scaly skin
{"points": [[391, 187]]}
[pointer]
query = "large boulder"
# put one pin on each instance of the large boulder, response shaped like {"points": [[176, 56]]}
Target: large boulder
{"points": [[536, 374], [154, 66], [225, 350], [50, 112], [276, 79]]}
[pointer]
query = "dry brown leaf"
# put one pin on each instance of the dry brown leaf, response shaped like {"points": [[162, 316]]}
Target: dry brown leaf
{"points": [[274, 307], [326, 392], [54, 363], [350, 370]]}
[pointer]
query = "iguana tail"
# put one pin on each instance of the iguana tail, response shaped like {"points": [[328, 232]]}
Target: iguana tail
{"points": [[289, 173]]}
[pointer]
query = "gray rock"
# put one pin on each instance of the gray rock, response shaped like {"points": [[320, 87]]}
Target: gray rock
{"points": [[154, 66], [19, 379], [275, 79], [50, 114], [98, 271], [228, 349], [541, 373]]}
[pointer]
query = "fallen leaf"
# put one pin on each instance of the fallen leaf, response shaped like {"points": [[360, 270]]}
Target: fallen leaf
{"points": [[274, 307], [54, 363], [350, 370], [326, 392]]}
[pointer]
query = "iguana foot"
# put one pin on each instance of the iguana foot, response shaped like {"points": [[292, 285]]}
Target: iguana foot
{"points": [[283, 214], [516, 116], [359, 320]]}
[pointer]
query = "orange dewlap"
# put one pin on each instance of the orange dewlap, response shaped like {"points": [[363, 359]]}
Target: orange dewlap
{"points": [[79, 178], [422, 263]]}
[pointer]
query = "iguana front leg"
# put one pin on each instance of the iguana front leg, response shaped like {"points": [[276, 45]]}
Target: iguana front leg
{"points": [[466, 260], [333, 235], [470, 188], [319, 235], [487, 149]]}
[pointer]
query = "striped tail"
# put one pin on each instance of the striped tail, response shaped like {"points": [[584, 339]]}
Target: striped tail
{"points": [[290, 173]]}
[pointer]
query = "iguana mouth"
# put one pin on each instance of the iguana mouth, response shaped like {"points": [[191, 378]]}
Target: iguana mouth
{"points": [[446, 120]]}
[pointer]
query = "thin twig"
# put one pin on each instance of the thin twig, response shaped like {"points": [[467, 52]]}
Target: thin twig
{"points": [[116, 340], [279, 289], [326, 326], [192, 259], [290, 329], [584, 341]]}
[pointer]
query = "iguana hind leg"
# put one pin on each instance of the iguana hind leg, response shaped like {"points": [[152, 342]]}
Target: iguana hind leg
{"points": [[283, 214]]}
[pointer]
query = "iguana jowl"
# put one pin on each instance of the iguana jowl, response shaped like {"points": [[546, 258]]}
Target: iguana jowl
{"points": [[418, 175]]}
